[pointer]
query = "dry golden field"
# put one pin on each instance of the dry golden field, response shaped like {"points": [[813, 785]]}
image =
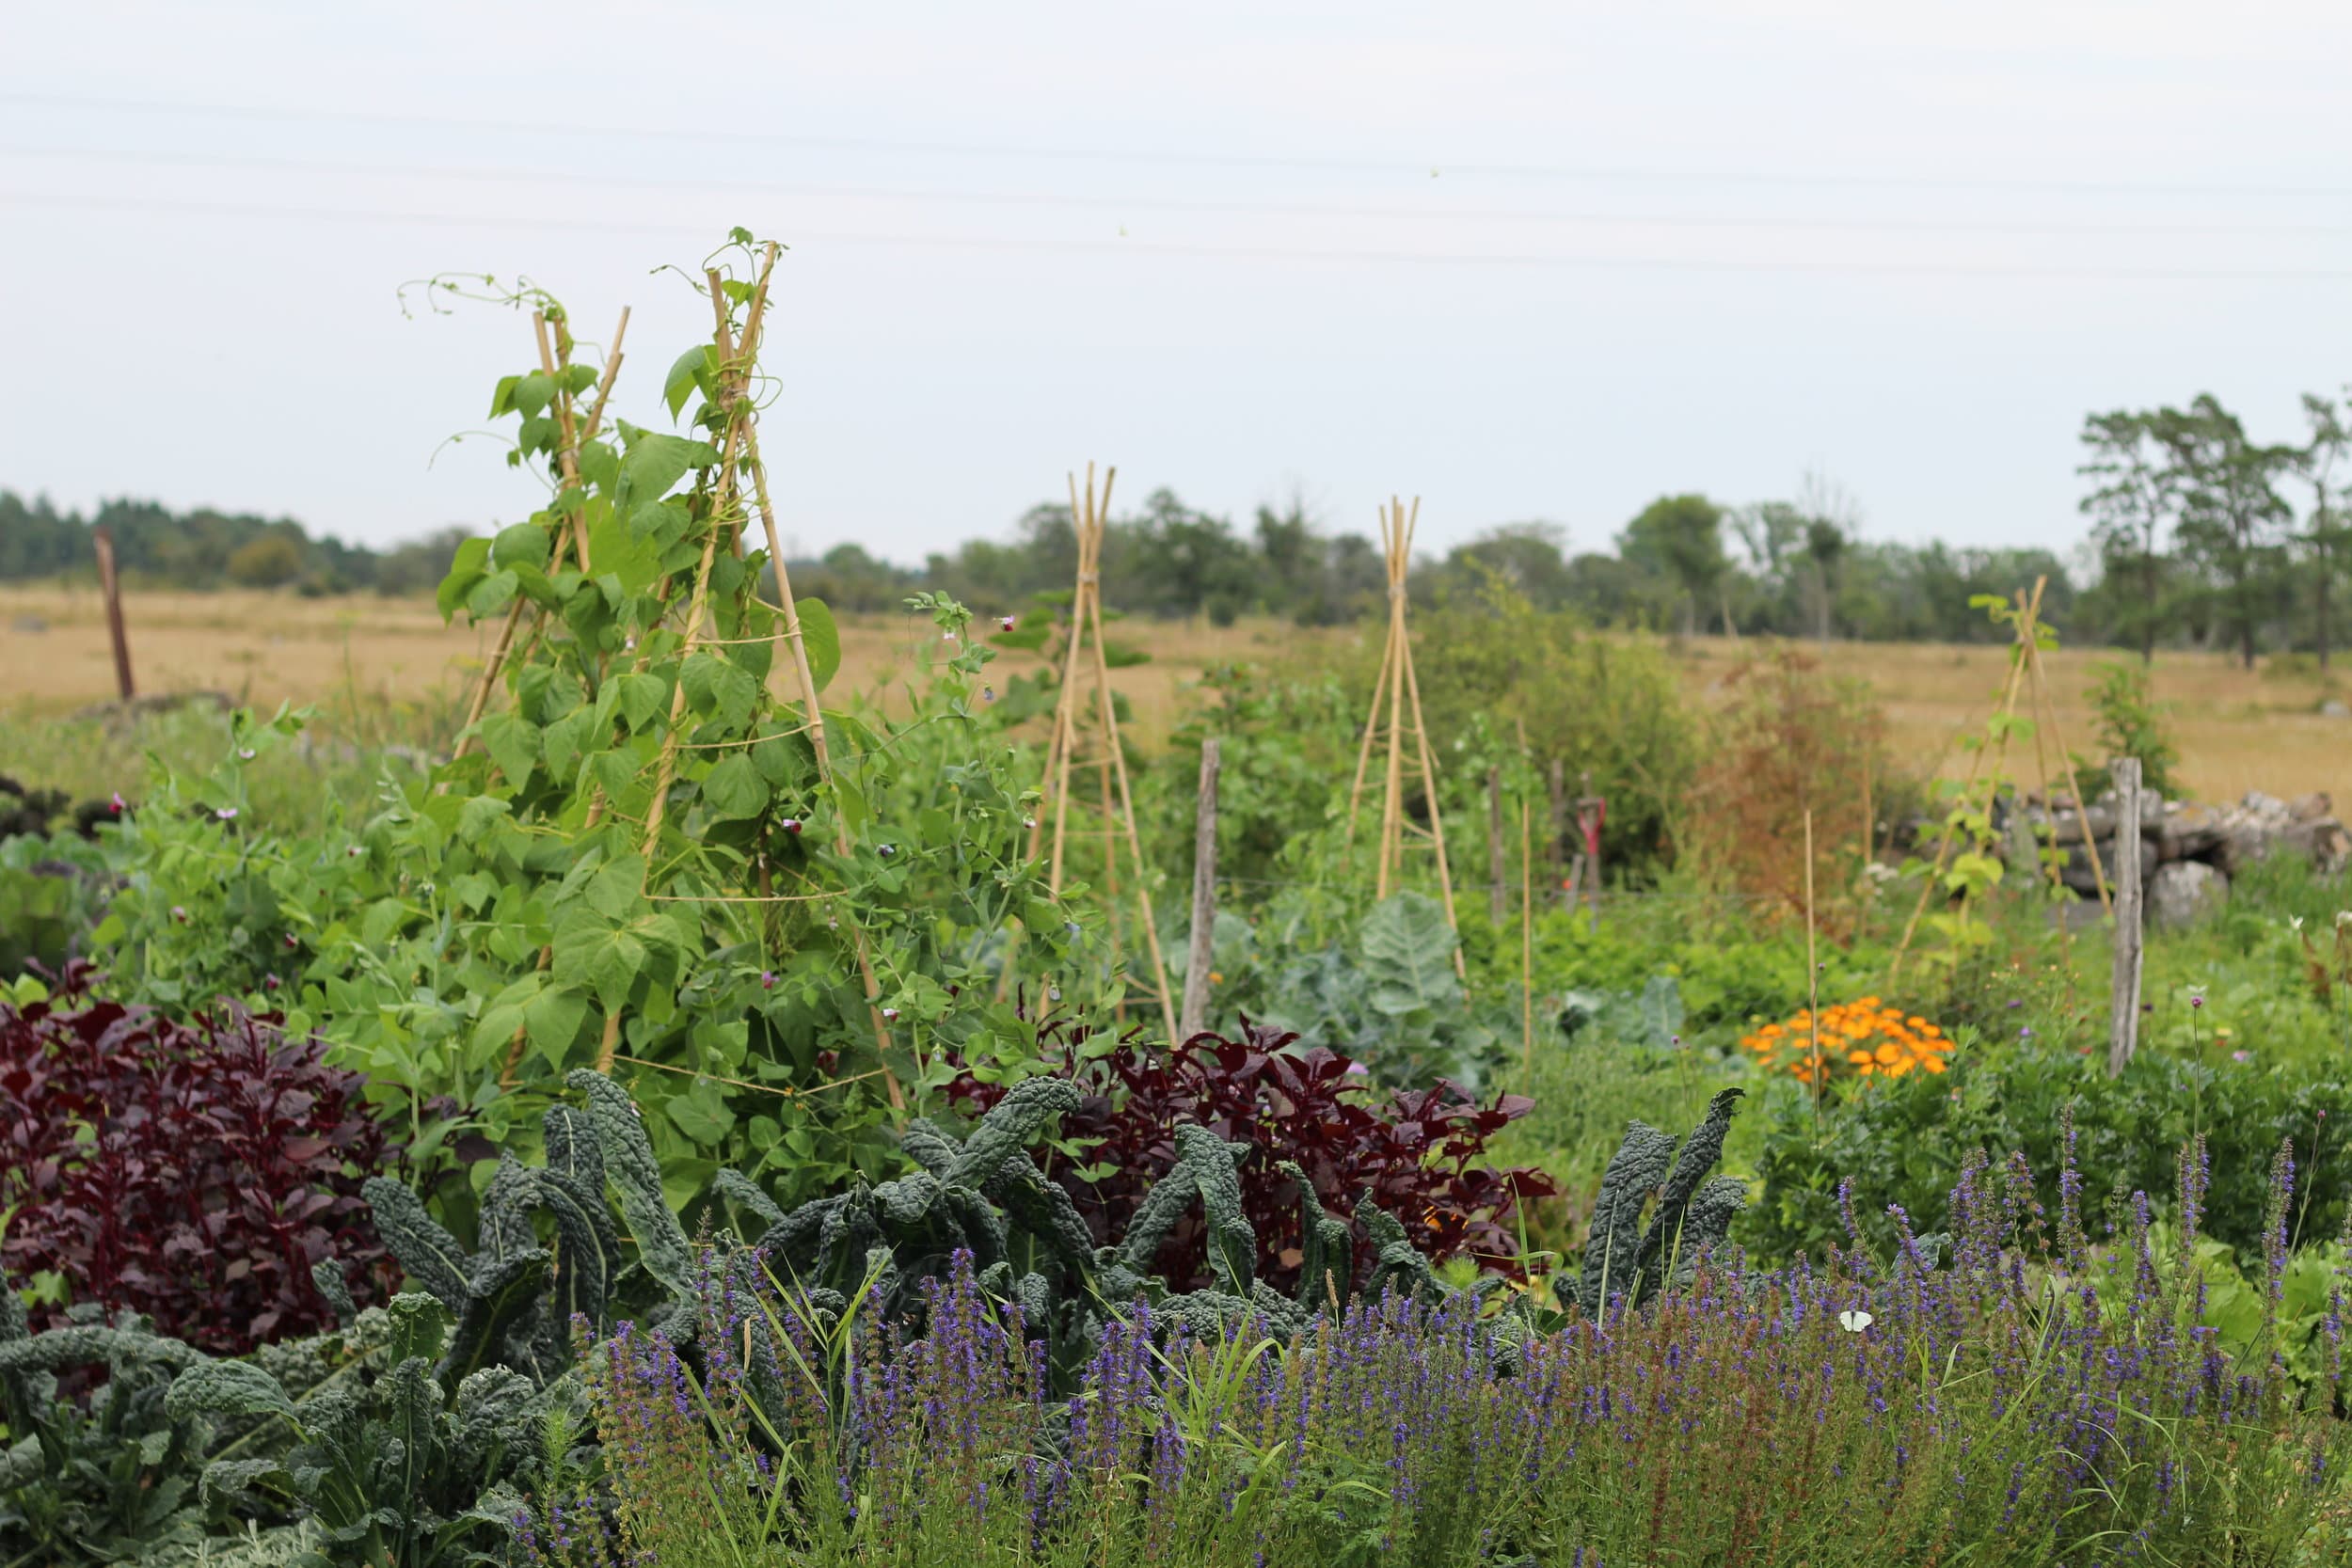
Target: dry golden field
{"points": [[2237, 730], [365, 650]]}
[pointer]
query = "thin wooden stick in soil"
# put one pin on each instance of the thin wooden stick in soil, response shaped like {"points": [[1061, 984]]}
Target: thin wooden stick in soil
{"points": [[1495, 858], [1812, 975], [1127, 806], [1527, 940]]}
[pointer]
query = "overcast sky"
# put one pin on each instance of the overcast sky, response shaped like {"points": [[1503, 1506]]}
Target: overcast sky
{"points": [[1528, 262]]}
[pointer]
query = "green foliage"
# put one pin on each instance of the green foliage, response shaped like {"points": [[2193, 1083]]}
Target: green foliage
{"points": [[391, 1470], [95, 1481], [350, 1432], [50, 893], [1390, 999], [1909, 1138], [2235, 1302], [2131, 725], [1609, 708], [638, 858], [1285, 746], [515, 1297], [1689, 1215], [1028, 1245]]}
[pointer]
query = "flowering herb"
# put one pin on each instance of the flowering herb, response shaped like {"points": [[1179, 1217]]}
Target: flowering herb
{"points": [[1962, 1403]]}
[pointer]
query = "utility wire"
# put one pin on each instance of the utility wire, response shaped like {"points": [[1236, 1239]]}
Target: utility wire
{"points": [[1259, 253], [1149, 205], [1359, 164]]}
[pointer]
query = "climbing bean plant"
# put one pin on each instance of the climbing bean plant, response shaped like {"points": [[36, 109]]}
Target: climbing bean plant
{"points": [[656, 851]]}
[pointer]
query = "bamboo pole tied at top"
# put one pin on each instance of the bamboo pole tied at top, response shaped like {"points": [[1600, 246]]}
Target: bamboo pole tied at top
{"points": [[1081, 743], [1408, 757]]}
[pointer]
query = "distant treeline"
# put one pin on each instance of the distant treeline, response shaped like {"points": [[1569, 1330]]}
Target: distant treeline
{"points": [[1685, 564], [2200, 536], [156, 548]]}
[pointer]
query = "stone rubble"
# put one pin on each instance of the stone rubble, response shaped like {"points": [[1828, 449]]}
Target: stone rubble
{"points": [[2190, 851]]}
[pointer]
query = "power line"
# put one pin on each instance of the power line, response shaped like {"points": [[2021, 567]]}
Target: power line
{"points": [[1373, 164], [1149, 205], [1268, 253]]}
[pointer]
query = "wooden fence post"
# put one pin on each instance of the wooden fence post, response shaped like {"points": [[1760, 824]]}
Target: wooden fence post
{"points": [[1196, 1010], [2123, 1009], [112, 588]]}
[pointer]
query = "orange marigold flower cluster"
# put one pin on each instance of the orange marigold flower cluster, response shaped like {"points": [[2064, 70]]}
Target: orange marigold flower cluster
{"points": [[1863, 1039]]}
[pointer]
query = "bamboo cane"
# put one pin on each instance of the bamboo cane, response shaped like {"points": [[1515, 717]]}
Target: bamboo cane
{"points": [[1812, 975], [1127, 807], [753, 321], [481, 699], [1390, 809], [567, 458]]}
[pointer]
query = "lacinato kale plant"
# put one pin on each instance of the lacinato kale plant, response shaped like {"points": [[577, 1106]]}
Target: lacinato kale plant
{"points": [[193, 1172], [1317, 1139]]}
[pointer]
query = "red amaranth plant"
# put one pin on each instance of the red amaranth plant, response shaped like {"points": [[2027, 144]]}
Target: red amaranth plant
{"points": [[191, 1172], [1417, 1150]]}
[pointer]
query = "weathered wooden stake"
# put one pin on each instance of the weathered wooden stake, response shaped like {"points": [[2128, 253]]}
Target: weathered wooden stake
{"points": [[1591, 813], [1495, 858], [1527, 940], [2124, 1011], [113, 591], [1559, 823], [1196, 1014]]}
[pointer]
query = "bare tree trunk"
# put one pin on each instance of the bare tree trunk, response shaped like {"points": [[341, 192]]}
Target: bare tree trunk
{"points": [[2322, 627], [2244, 626]]}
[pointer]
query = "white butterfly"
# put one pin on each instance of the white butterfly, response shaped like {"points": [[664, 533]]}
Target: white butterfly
{"points": [[1854, 1323]]}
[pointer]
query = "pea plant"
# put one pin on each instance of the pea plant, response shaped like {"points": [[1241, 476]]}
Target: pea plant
{"points": [[776, 920]]}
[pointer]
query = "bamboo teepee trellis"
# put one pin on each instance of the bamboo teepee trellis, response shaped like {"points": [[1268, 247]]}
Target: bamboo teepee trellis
{"points": [[1400, 690], [1084, 655]]}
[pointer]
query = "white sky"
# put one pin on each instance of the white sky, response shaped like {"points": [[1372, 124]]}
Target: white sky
{"points": [[1536, 261]]}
